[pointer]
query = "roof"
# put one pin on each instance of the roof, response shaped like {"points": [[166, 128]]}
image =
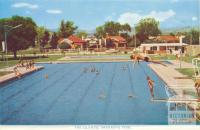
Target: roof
{"points": [[117, 38], [168, 38], [76, 40]]}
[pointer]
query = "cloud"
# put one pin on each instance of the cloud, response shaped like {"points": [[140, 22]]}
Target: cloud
{"points": [[161, 16], [133, 18], [194, 18], [54, 11], [25, 5], [130, 18]]}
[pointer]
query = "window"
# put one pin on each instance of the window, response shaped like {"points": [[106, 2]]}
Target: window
{"points": [[153, 48]]}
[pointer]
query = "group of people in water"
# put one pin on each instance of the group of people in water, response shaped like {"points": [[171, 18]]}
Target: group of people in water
{"points": [[28, 64], [91, 69]]}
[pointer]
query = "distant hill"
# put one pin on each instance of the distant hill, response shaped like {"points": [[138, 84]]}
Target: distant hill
{"points": [[164, 30], [178, 29]]}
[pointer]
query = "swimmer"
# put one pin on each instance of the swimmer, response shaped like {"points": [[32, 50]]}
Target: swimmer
{"points": [[102, 95], [151, 85], [46, 76], [85, 70], [138, 57], [130, 95], [97, 72]]}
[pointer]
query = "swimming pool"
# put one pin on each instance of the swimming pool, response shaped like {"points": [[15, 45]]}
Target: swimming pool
{"points": [[114, 93]]}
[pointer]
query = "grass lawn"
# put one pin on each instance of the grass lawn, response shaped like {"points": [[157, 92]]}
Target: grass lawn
{"points": [[163, 57], [187, 71], [4, 72]]}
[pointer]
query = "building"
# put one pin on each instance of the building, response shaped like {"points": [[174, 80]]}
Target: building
{"points": [[73, 41], [165, 44], [92, 41], [115, 42]]}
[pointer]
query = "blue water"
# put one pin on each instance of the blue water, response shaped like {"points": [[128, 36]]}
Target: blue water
{"points": [[70, 96]]}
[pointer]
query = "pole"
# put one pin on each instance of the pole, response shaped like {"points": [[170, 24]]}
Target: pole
{"points": [[6, 43], [6, 48], [135, 36]]}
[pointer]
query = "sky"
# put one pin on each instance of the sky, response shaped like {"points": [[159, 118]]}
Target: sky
{"points": [[88, 14]]}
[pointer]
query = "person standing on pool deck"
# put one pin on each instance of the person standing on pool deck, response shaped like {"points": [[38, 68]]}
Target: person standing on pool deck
{"points": [[151, 85], [197, 86], [138, 57]]}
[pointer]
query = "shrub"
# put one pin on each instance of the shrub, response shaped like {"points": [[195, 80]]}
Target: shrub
{"points": [[64, 46]]}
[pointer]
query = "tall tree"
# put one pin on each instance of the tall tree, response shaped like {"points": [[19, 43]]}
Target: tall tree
{"points": [[112, 28], [126, 28], [67, 28], [192, 37], [40, 34], [19, 38], [100, 33], [147, 27], [45, 39], [81, 34], [54, 41]]}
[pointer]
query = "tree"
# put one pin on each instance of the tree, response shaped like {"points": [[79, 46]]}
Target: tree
{"points": [[171, 34], [81, 34], [64, 45], [40, 34], [147, 27], [54, 41], [112, 28], [67, 28], [100, 32], [45, 39], [192, 37], [19, 38], [126, 28]]}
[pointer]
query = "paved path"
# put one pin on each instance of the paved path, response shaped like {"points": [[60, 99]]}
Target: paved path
{"points": [[174, 79], [12, 76]]}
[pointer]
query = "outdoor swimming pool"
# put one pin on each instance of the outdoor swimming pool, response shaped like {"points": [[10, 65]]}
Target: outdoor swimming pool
{"points": [[70, 94]]}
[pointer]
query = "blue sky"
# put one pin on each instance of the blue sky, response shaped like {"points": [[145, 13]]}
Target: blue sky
{"points": [[87, 14]]}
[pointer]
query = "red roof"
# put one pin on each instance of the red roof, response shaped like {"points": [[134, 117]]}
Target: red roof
{"points": [[117, 38], [76, 40], [168, 38]]}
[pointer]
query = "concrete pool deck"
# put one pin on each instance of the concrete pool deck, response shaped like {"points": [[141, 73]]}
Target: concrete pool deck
{"points": [[12, 75], [174, 79]]}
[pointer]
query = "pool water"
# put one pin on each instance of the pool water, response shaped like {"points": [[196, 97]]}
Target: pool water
{"points": [[67, 94]]}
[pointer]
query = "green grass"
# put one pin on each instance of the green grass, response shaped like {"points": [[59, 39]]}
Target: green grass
{"points": [[4, 72], [49, 58], [187, 71], [163, 57]]}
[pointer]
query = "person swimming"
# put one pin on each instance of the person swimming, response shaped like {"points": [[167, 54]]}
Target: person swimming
{"points": [[151, 85], [138, 57], [46, 76]]}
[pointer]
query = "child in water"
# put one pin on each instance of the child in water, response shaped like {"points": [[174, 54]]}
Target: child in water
{"points": [[151, 85]]}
